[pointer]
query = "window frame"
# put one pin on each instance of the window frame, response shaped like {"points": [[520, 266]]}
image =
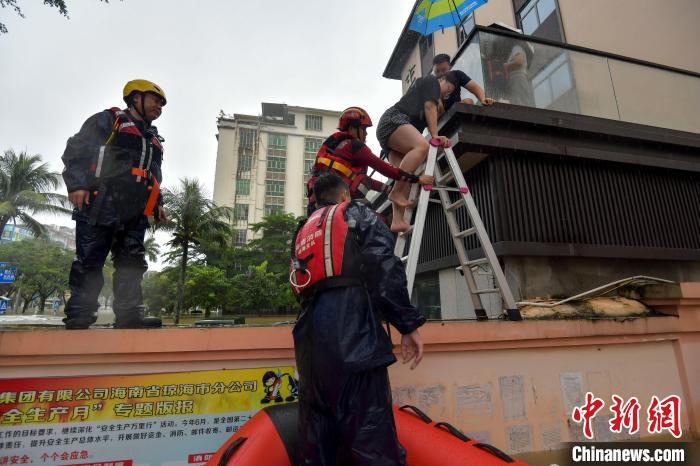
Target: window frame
{"points": [[309, 118], [270, 183], [240, 182], [237, 209], [431, 45], [532, 5]]}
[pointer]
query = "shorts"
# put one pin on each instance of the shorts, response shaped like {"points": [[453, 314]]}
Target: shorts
{"points": [[388, 123]]}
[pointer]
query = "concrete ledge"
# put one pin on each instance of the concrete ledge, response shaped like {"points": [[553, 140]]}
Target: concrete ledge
{"points": [[58, 346]]}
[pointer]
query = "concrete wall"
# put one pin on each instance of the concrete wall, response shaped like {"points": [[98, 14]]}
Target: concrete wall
{"points": [[226, 157], [659, 32], [510, 383], [531, 276], [495, 11], [408, 77], [446, 41]]}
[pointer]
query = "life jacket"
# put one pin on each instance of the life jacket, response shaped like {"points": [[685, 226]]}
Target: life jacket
{"points": [[123, 167], [335, 155], [325, 252]]}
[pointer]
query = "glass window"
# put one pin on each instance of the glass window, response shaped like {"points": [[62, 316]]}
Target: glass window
{"points": [[308, 166], [314, 122], [553, 81], [427, 54], [277, 141], [276, 164], [243, 187], [545, 8], [239, 237], [312, 145], [465, 28], [240, 212], [248, 137], [245, 162], [273, 209], [529, 22], [540, 18], [274, 188]]}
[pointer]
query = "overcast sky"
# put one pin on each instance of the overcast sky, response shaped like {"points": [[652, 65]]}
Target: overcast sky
{"points": [[207, 55]]}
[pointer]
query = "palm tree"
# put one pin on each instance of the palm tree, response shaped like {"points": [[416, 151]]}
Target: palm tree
{"points": [[193, 218], [152, 249], [25, 189]]}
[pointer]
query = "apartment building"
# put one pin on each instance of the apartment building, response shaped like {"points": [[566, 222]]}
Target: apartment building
{"points": [[264, 161], [586, 170]]}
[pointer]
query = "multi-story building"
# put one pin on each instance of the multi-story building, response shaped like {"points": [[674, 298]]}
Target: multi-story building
{"points": [[264, 161], [61, 234], [587, 168]]}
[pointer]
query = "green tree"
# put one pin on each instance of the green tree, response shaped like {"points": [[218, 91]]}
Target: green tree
{"points": [[207, 287], [152, 249], [25, 185], [193, 218], [274, 246], [160, 290], [42, 269], [60, 4], [256, 290]]}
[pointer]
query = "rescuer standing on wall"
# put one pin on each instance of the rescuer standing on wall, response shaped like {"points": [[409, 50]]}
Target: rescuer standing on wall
{"points": [[345, 273], [113, 173]]}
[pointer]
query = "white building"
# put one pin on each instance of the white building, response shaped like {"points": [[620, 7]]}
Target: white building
{"points": [[263, 162]]}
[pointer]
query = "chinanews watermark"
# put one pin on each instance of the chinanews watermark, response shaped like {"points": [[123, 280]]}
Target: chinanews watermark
{"points": [[628, 419]]}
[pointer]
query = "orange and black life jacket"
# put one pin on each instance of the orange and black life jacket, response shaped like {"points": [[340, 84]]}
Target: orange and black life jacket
{"points": [[123, 166], [325, 252], [335, 155]]}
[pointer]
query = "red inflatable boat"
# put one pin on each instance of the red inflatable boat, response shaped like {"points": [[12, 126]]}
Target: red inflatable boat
{"points": [[270, 439]]}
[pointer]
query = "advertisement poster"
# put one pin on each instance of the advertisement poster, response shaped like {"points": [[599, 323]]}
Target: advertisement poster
{"points": [[171, 419]]}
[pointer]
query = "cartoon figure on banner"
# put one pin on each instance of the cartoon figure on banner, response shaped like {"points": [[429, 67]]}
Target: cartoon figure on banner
{"points": [[272, 383]]}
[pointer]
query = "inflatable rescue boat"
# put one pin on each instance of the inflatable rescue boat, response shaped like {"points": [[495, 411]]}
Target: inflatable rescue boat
{"points": [[270, 438]]}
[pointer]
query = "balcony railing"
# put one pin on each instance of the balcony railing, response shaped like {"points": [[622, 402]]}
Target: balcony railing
{"points": [[526, 71]]}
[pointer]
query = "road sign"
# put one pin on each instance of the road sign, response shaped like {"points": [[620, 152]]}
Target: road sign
{"points": [[8, 271], [3, 305]]}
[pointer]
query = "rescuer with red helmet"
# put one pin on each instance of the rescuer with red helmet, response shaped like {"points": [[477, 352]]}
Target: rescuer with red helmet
{"points": [[346, 154]]}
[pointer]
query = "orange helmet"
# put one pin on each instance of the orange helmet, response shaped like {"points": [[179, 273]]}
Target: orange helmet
{"points": [[353, 116]]}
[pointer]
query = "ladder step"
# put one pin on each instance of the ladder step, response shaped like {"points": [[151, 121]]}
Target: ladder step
{"points": [[446, 178], [455, 206], [488, 290], [465, 233], [476, 262]]}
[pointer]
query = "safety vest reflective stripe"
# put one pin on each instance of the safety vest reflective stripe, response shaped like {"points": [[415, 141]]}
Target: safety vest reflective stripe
{"points": [[338, 166], [327, 249]]}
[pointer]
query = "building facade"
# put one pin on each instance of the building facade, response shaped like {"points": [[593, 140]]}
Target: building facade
{"points": [[60, 234], [586, 170], [264, 161]]}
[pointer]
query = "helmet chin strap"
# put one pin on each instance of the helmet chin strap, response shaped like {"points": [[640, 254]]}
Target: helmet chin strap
{"points": [[142, 113]]}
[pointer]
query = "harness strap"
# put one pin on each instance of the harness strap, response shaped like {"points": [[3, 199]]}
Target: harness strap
{"points": [[336, 165]]}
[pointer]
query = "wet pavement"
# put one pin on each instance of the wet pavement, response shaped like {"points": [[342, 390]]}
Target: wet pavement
{"points": [[105, 316]]}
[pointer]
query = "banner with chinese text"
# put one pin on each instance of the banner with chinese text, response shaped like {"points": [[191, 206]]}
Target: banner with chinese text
{"points": [[171, 419]]}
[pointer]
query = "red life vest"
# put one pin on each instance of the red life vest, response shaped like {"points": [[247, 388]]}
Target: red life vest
{"points": [[336, 155], [325, 252]]}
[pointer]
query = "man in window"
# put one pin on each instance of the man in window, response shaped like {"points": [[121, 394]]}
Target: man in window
{"points": [[441, 65]]}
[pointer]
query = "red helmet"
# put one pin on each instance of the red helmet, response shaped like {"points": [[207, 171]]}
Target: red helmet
{"points": [[353, 116]]}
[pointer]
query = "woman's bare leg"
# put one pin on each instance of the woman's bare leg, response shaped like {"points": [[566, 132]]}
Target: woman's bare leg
{"points": [[405, 140]]}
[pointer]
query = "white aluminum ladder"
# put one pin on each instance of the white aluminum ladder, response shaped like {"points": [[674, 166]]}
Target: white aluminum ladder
{"points": [[453, 181]]}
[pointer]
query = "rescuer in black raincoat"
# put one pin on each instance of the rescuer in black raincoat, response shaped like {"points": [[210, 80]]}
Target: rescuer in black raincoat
{"points": [[342, 350], [112, 173]]}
